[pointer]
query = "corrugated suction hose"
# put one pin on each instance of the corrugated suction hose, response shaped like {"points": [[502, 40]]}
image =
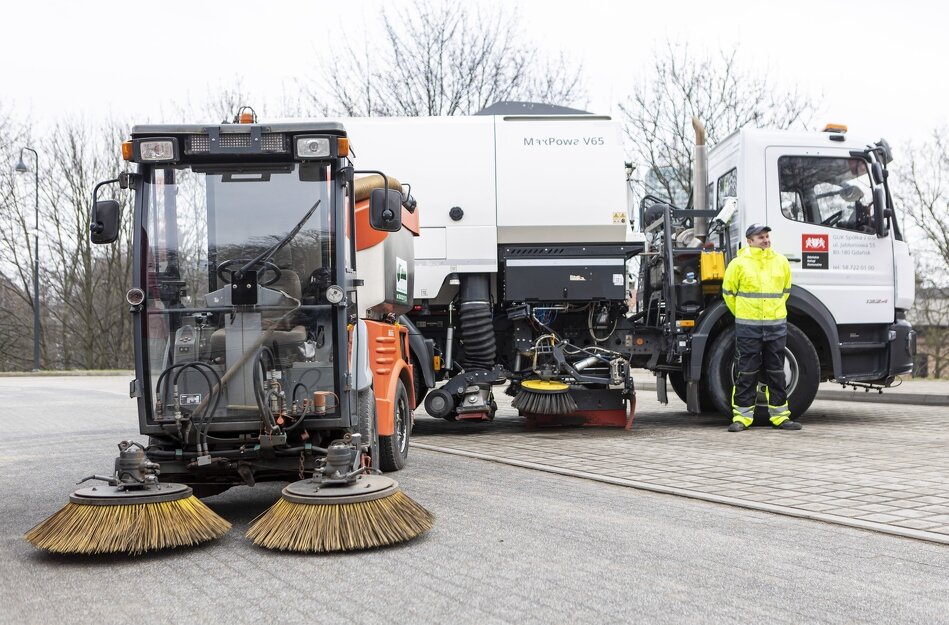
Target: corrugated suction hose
{"points": [[477, 326]]}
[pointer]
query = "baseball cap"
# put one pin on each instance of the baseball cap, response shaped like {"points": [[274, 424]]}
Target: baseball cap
{"points": [[754, 229]]}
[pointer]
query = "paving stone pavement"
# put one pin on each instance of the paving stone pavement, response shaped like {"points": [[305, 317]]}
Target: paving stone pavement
{"points": [[877, 466]]}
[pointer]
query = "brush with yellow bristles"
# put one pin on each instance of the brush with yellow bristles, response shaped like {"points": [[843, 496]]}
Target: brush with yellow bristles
{"points": [[340, 509], [132, 514]]}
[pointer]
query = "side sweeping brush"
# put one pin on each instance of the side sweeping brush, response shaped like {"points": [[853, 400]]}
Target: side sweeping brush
{"points": [[340, 509], [132, 514], [512, 389], [543, 397]]}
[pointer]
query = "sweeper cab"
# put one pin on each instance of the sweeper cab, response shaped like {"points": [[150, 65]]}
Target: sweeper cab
{"points": [[257, 343], [261, 352]]}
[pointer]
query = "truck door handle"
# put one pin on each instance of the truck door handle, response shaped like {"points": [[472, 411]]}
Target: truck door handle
{"points": [[793, 259]]}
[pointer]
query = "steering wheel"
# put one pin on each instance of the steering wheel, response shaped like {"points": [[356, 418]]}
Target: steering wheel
{"points": [[227, 269], [830, 221]]}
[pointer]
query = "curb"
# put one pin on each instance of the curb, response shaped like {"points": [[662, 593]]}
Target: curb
{"points": [[67, 373], [917, 399]]}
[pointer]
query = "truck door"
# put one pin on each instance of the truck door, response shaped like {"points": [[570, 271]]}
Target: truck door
{"points": [[819, 206]]}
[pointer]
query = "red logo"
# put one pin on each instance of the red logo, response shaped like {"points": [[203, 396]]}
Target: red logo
{"points": [[815, 242]]}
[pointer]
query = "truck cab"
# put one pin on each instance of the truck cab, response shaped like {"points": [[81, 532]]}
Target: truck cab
{"points": [[826, 198]]}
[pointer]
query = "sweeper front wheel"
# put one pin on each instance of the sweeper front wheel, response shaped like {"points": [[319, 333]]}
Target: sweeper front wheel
{"points": [[394, 449]]}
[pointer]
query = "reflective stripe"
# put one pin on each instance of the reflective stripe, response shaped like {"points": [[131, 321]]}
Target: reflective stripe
{"points": [[761, 295], [762, 322], [744, 415], [779, 414], [727, 292]]}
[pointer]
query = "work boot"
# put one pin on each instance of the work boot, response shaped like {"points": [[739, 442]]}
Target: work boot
{"points": [[737, 426], [789, 425]]}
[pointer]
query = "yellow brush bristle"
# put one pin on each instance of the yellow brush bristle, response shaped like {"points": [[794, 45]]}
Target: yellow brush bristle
{"points": [[323, 528], [131, 529]]}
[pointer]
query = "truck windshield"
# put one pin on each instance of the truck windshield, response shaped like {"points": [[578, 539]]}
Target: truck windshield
{"points": [[203, 226]]}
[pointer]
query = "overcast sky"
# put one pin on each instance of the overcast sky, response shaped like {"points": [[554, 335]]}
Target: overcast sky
{"points": [[879, 67]]}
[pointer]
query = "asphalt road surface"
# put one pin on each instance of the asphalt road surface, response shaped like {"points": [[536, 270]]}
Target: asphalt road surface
{"points": [[510, 545]]}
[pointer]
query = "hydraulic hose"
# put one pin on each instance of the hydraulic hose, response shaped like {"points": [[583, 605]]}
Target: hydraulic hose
{"points": [[477, 326]]}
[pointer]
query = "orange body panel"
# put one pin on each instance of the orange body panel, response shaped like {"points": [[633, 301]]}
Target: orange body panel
{"points": [[366, 237], [389, 361]]}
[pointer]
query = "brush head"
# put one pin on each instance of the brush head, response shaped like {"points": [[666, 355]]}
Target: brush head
{"points": [[372, 512], [544, 397], [108, 519]]}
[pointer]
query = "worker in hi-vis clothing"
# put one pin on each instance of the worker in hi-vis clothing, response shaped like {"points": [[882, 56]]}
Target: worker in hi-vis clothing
{"points": [[756, 286]]}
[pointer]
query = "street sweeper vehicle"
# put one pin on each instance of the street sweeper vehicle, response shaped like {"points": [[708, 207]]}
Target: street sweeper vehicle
{"points": [[534, 269], [268, 279]]}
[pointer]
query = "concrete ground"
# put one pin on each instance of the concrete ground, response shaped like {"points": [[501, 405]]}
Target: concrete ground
{"points": [[510, 545], [877, 466]]}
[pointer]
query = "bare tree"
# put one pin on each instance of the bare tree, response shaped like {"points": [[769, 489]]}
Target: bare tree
{"points": [[15, 313], [17, 205], [923, 196], [444, 59], [718, 91], [84, 324], [88, 281]]}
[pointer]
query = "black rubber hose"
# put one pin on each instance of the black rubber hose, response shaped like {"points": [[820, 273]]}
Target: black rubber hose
{"points": [[477, 324]]}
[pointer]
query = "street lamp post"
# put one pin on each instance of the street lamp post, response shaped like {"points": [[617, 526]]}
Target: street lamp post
{"points": [[22, 168]]}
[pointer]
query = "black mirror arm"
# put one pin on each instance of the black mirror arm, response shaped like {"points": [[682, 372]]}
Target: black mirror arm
{"points": [[95, 191]]}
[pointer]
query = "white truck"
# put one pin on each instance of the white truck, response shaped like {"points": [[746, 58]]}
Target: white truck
{"points": [[527, 239]]}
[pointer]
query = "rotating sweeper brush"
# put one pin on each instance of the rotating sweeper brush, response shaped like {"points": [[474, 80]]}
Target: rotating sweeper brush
{"points": [[544, 397], [342, 508], [131, 514]]}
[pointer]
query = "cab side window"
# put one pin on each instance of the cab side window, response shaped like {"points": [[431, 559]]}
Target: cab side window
{"points": [[826, 191], [726, 187]]}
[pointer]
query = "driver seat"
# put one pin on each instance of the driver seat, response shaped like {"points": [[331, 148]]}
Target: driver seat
{"points": [[287, 334]]}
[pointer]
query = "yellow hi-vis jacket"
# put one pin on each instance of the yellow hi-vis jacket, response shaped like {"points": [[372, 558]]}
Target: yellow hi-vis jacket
{"points": [[756, 286]]}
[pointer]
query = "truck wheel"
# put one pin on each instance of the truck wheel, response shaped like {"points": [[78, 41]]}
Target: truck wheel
{"points": [[677, 382], [418, 382], [801, 367], [395, 449], [367, 426]]}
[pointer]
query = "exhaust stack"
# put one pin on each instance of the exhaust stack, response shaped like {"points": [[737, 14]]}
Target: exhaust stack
{"points": [[700, 178]]}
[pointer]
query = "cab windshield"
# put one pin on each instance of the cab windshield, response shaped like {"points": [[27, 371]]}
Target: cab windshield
{"points": [[205, 230]]}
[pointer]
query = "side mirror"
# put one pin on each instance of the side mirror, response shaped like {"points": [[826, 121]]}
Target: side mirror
{"points": [[879, 211], [104, 224], [876, 172], [385, 210]]}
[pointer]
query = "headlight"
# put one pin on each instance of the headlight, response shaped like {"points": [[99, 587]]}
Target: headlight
{"points": [[155, 150], [313, 147]]}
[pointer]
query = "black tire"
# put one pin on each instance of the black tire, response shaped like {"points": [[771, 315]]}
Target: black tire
{"points": [[394, 449], [202, 491], [418, 382], [801, 362], [677, 382], [368, 426]]}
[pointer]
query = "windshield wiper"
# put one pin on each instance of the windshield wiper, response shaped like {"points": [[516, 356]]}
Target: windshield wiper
{"points": [[269, 253]]}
